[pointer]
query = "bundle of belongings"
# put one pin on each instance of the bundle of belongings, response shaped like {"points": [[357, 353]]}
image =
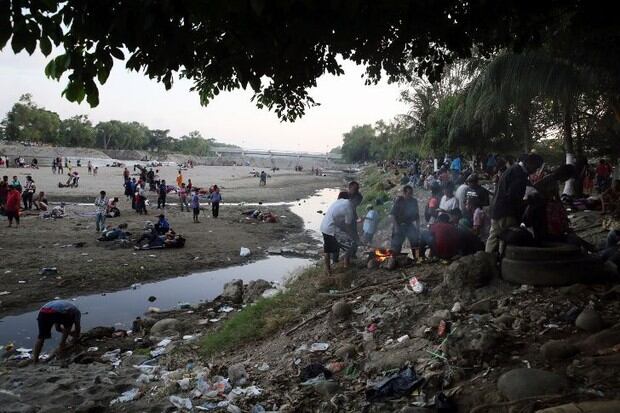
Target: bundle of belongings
{"points": [[261, 216], [57, 212]]}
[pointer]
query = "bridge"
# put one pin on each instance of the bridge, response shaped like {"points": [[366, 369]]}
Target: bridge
{"points": [[259, 152]]}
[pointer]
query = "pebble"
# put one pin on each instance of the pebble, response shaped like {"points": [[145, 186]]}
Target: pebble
{"points": [[558, 349], [342, 310]]}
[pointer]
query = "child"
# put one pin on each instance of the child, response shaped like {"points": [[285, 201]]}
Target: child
{"points": [[195, 202], [370, 224]]}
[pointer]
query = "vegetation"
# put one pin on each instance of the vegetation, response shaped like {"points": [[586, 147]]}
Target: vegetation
{"points": [[27, 122], [267, 315], [279, 48]]}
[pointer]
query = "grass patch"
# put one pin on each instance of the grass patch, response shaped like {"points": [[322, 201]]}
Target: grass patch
{"points": [[267, 315]]}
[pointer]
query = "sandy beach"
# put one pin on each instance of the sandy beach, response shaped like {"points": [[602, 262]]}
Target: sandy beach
{"points": [[86, 265], [235, 182]]}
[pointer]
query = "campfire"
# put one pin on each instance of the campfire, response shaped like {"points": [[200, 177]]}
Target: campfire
{"points": [[381, 254], [386, 258]]}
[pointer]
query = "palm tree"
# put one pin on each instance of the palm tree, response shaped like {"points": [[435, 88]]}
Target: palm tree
{"points": [[508, 87]]}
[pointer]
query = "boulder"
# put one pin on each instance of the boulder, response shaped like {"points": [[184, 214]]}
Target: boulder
{"points": [[522, 383], [341, 310], [97, 333], [603, 406], [601, 340], [237, 374], [165, 326], [255, 290], [589, 320], [471, 271], [233, 291], [558, 349], [327, 389]]}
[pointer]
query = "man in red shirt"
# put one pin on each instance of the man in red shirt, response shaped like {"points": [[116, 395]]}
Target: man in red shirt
{"points": [[12, 206], [603, 171], [445, 238]]}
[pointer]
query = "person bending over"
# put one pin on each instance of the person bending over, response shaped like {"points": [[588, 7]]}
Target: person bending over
{"points": [[65, 317]]}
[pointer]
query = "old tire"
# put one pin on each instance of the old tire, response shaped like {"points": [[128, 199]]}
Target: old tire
{"points": [[579, 269], [548, 252]]}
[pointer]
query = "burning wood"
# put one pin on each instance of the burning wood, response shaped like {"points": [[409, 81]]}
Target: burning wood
{"points": [[381, 254]]}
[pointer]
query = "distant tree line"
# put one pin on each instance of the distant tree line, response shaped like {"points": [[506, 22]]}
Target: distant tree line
{"points": [[27, 122]]}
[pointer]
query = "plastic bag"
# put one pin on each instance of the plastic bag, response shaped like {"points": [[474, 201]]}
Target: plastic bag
{"points": [[396, 385]]}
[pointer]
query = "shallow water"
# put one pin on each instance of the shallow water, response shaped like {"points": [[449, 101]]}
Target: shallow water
{"points": [[121, 307]]}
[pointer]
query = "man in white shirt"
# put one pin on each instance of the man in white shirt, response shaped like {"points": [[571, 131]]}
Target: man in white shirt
{"points": [[336, 228], [101, 208]]}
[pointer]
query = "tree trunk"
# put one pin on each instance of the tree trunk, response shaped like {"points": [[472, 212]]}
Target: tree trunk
{"points": [[567, 127], [524, 127]]}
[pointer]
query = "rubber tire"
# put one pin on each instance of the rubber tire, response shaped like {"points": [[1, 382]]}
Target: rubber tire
{"points": [[549, 252], [581, 269]]}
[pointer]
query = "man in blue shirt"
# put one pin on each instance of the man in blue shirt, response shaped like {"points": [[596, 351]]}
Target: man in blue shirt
{"points": [[162, 226], [370, 225]]}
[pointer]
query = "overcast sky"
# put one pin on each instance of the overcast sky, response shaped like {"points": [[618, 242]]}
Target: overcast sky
{"points": [[230, 118]]}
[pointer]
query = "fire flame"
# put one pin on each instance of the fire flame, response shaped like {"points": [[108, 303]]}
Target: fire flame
{"points": [[382, 254]]}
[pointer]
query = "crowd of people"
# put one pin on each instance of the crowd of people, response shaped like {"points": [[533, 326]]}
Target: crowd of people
{"points": [[461, 215]]}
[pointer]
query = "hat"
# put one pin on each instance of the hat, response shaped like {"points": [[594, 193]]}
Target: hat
{"points": [[161, 216]]}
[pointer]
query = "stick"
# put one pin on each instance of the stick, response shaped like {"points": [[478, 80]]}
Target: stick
{"points": [[303, 323]]}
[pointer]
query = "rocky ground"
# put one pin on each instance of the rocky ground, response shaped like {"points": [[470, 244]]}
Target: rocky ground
{"points": [[470, 340]]}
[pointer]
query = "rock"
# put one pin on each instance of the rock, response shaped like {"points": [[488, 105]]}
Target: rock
{"points": [[342, 310], [504, 321], [346, 351], [603, 406], [98, 333], [558, 349], [233, 291], [90, 406], [237, 374], [471, 271], [327, 389], [412, 409], [601, 340], [165, 326], [437, 316], [379, 361], [483, 306], [456, 308], [522, 383], [589, 321], [255, 290], [574, 289]]}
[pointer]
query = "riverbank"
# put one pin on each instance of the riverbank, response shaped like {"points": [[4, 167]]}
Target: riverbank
{"points": [[85, 265]]}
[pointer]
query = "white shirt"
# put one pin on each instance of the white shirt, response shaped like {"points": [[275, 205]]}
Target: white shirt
{"points": [[460, 195], [448, 204], [338, 215]]}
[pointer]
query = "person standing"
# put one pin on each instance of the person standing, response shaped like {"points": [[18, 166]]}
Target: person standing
{"points": [[195, 204], [179, 179], [89, 165], [371, 222], [61, 170], [65, 317], [216, 198], [101, 208], [162, 192], [28, 194], [183, 197], [508, 202], [4, 191], [336, 228], [263, 178], [12, 206], [405, 218], [54, 166]]}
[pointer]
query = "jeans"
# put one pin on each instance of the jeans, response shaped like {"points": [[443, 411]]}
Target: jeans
{"points": [[215, 209], [161, 201], [401, 232], [100, 221], [183, 202], [27, 197]]}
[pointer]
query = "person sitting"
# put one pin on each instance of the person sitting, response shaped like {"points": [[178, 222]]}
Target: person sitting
{"points": [[173, 240], [113, 211], [162, 226], [58, 211], [151, 236], [40, 202], [111, 234], [445, 238]]}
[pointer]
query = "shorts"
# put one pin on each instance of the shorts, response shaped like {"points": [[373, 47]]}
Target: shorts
{"points": [[330, 244], [47, 320]]}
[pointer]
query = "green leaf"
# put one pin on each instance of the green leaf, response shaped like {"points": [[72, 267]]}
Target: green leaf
{"points": [[118, 53], [45, 45], [74, 91], [103, 72], [5, 23], [92, 93], [50, 69]]}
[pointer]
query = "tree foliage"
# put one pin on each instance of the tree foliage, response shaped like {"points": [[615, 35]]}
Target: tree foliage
{"points": [[27, 122], [279, 48]]}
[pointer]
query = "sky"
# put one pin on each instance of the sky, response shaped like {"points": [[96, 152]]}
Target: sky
{"points": [[229, 118]]}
